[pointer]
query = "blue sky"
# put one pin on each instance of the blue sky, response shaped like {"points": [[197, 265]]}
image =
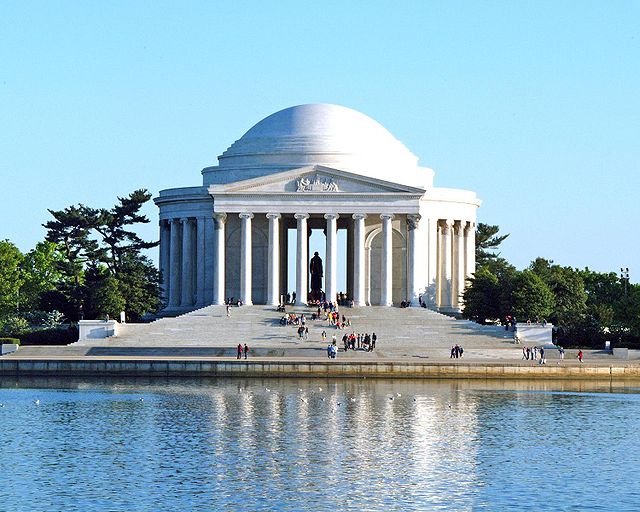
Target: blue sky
{"points": [[534, 105]]}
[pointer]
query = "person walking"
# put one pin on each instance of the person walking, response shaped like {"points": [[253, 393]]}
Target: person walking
{"points": [[542, 359], [580, 355], [246, 350], [239, 351]]}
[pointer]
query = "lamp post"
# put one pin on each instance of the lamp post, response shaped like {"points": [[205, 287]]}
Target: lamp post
{"points": [[624, 277]]}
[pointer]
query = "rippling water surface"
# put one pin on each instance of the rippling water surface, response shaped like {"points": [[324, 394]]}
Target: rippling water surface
{"points": [[317, 445]]}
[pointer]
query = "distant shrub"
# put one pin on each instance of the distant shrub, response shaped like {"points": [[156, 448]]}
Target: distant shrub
{"points": [[12, 324], [56, 336], [53, 320], [14, 341]]}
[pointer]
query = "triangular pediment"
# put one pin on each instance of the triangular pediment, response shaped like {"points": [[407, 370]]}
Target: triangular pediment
{"points": [[315, 179]]}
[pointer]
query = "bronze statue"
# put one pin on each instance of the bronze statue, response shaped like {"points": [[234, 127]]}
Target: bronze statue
{"points": [[315, 267]]}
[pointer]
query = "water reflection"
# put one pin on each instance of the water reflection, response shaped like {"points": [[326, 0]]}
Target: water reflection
{"points": [[318, 444]]}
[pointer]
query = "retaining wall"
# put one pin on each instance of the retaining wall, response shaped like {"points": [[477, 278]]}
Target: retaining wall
{"points": [[260, 368]]}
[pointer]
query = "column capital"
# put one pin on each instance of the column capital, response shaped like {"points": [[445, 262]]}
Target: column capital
{"points": [[359, 216], [184, 220], [273, 216], [460, 227], [219, 216], [299, 216], [246, 215], [389, 216], [445, 226], [174, 220], [413, 220], [469, 226], [329, 216]]}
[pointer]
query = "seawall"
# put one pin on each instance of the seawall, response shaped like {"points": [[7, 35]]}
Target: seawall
{"points": [[301, 368]]}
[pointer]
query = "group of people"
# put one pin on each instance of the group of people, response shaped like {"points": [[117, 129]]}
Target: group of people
{"points": [[293, 319], [456, 352], [242, 350], [531, 354], [357, 341], [542, 322], [510, 322]]}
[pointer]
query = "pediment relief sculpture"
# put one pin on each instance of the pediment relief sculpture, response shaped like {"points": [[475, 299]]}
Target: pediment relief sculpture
{"points": [[316, 184]]}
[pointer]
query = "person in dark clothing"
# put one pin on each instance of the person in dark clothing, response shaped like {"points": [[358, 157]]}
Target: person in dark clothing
{"points": [[239, 351], [246, 350]]}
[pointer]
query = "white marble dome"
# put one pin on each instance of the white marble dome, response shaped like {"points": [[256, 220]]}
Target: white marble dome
{"points": [[320, 134]]}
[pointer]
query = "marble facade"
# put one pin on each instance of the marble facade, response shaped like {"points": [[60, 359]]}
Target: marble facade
{"points": [[316, 167]]}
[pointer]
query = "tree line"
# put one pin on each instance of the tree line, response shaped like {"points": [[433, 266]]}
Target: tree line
{"points": [[586, 307], [90, 264]]}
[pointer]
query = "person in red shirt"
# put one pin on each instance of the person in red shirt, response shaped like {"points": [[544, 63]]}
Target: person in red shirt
{"points": [[239, 351], [580, 355]]}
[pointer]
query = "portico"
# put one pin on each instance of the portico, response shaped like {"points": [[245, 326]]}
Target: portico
{"points": [[406, 240]]}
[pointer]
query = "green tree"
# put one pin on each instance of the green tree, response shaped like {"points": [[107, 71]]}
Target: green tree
{"points": [[530, 297], [139, 283], [567, 286], [41, 273], [70, 231], [102, 241], [102, 295], [117, 242], [482, 297], [487, 242], [10, 277]]}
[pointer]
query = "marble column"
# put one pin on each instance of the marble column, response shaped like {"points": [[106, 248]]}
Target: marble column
{"points": [[459, 266], [445, 264], [432, 263], [165, 258], [245, 259], [174, 264], [273, 264], [219, 219], [200, 261], [331, 266], [187, 263], [358, 259], [386, 275], [412, 287], [302, 258], [470, 249]]}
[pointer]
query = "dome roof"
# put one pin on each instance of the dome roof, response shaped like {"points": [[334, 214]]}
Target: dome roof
{"points": [[321, 134]]}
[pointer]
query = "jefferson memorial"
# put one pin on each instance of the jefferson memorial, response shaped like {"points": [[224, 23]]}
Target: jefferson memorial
{"points": [[316, 167]]}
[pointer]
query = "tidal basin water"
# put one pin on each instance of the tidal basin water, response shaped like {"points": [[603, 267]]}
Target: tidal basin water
{"points": [[317, 445]]}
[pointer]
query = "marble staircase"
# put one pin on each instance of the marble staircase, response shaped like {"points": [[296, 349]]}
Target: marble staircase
{"points": [[401, 332]]}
